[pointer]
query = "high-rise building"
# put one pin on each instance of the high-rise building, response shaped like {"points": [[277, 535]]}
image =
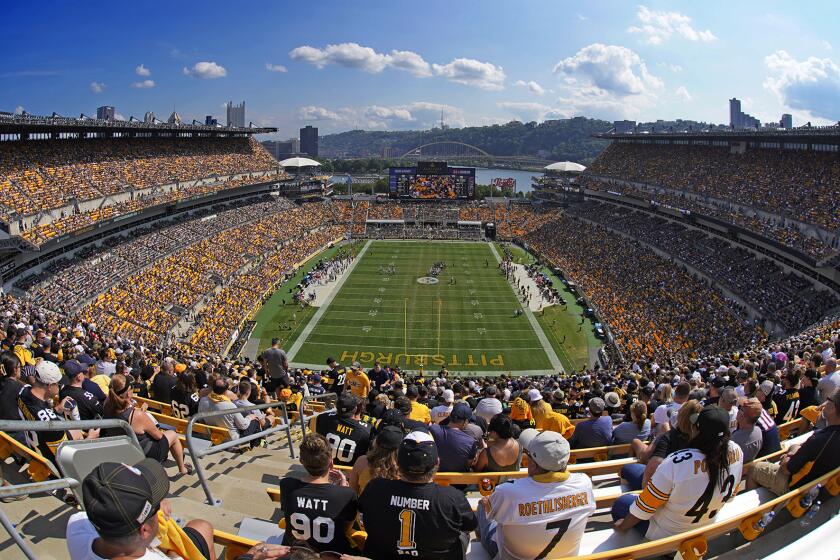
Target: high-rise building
{"points": [[623, 127], [309, 140], [149, 117], [236, 114], [210, 121], [105, 113], [787, 121], [735, 113], [283, 148]]}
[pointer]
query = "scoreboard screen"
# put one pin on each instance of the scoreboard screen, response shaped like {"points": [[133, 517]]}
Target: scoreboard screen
{"points": [[454, 183], [432, 168]]}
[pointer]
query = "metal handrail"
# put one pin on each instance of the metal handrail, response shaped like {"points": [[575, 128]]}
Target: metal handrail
{"points": [[199, 453], [30, 488], [303, 401]]}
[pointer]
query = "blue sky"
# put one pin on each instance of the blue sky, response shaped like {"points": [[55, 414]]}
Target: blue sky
{"points": [[396, 65]]}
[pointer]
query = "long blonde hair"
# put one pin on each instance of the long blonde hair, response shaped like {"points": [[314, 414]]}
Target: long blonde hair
{"points": [[119, 396], [383, 463], [540, 409]]}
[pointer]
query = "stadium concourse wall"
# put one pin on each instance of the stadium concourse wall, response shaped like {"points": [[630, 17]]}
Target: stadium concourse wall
{"points": [[14, 265], [276, 285], [790, 258]]}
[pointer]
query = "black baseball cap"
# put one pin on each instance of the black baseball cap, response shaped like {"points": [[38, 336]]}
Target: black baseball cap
{"points": [[712, 422], [418, 453], [389, 437], [119, 498], [461, 411], [346, 403], [73, 368]]}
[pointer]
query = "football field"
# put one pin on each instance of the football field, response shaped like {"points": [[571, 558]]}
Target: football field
{"points": [[426, 305]]}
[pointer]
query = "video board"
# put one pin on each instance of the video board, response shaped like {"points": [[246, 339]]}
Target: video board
{"points": [[447, 183]]}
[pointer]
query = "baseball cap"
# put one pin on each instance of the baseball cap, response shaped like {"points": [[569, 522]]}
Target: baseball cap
{"points": [[389, 437], [346, 403], [356, 365], [534, 395], [712, 421], [448, 396], [596, 405], [461, 411], [766, 387], [47, 372], [417, 453], [491, 390], [180, 368], [72, 368], [119, 499], [547, 449], [611, 399], [558, 395], [316, 378]]}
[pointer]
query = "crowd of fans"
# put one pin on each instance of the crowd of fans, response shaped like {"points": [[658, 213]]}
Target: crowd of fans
{"points": [[654, 308], [788, 299], [777, 229], [798, 184]]}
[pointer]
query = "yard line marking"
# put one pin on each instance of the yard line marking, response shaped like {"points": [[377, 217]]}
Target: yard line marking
{"points": [[313, 322], [549, 350]]}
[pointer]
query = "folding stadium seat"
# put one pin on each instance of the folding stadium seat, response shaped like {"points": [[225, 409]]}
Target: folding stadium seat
{"points": [[77, 458]]}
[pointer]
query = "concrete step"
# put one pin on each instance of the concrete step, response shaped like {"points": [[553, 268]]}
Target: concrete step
{"points": [[236, 495], [42, 522]]}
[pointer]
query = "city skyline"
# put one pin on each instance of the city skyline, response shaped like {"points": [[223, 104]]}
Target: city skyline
{"points": [[341, 67]]}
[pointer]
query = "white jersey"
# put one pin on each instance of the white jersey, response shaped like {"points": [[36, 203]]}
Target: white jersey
{"points": [[542, 517], [667, 414], [440, 413], [675, 499]]}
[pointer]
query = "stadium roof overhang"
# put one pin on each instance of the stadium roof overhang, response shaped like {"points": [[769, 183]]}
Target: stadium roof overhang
{"points": [[61, 125], [823, 135]]}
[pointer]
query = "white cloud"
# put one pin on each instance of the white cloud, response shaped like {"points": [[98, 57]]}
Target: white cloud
{"points": [[142, 71], [429, 113], [611, 68], [411, 62], [672, 67], [582, 17], [526, 112], [810, 86], [144, 84], [533, 86], [658, 26], [275, 68], [205, 71], [97, 87], [314, 113], [682, 93], [388, 113], [472, 72], [353, 55]]}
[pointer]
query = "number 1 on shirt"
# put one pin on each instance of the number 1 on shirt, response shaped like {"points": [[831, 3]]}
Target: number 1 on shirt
{"points": [[406, 541]]}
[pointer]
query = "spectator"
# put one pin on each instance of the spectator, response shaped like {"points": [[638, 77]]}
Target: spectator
{"points": [[414, 516], [830, 380], [808, 389], [665, 415], [748, 434], [728, 401], [316, 511], [503, 453], [547, 419], [335, 377], [419, 412], [276, 365], [185, 396], [379, 377], [88, 405], [637, 428], [35, 403], [819, 455], [380, 460], [520, 411], [457, 449], [358, 381], [513, 519], [680, 497], [156, 444], [442, 411], [348, 436], [163, 383], [10, 387], [489, 406], [237, 425], [595, 432]]}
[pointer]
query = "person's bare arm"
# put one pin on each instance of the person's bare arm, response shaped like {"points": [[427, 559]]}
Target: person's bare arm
{"points": [[650, 468]]}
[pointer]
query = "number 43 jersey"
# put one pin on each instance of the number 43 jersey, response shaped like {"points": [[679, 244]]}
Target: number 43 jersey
{"points": [[679, 498], [319, 514]]}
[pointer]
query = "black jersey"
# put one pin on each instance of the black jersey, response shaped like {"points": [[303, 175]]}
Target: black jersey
{"points": [[334, 380], [349, 438], [33, 408], [319, 514], [183, 405], [787, 402], [404, 519], [89, 405]]}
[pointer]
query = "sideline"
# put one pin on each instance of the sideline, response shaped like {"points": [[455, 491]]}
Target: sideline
{"points": [[313, 322], [549, 350]]}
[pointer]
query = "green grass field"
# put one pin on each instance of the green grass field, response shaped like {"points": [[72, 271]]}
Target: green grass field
{"points": [[468, 326]]}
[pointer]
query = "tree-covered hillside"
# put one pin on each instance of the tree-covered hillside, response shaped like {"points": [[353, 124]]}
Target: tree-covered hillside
{"points": [[567, 139]]}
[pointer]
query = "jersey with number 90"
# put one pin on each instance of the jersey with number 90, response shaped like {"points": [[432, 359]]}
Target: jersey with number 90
{"points": [[348, 437], [678, 498], [319, 514], [542, 516]]}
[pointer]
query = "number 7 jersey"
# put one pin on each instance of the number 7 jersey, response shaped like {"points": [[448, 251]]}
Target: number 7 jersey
{"points": [[678, 498]]}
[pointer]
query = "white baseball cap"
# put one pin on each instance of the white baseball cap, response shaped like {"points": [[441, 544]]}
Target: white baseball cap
{"points": [[47, 372], [534, 395], [448, 396]]}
